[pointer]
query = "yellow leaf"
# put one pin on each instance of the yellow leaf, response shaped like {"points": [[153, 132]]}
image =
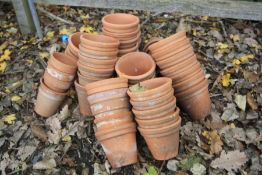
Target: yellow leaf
{"points": [[86, 29], [84, 16], [235, 37], [232, 125], [44, 55], [194, 32], [3, 46], [226, 80], [204, 18], [24, 47], [246, 57], [49, 35], [65, 31], [29, 61], [15, 98], [3, 66], [6, 55], [236, 62], [222, 45], [214, 141], [9, 118], [67, 138]]}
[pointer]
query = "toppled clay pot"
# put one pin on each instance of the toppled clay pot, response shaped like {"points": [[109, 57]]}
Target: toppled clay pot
{"points": [[120, 21], [56, 84], [107, 84], [163, 142], [84, 106], [120, 145], [63, 63], [150, 42], [154, 88], [48, 101], [135, 66]]}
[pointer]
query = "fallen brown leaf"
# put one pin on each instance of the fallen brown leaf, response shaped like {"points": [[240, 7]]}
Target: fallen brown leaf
{"points": [[39, 132], [251, 101]]}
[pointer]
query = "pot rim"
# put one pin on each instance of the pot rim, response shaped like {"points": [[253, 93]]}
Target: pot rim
{"points": [[71, 44], [104, 30], [105, 21], [106, 82], [47, 89], [56, 58], [95, 40]]}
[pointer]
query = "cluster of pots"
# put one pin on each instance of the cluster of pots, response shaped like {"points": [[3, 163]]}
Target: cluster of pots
{"points": [[114, 125], [55, 83], [94, 58], [157, 116], [125, 28], [176, 59]]}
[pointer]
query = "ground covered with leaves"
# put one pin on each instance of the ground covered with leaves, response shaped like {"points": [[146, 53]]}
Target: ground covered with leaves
{"points": [[229, 141]]}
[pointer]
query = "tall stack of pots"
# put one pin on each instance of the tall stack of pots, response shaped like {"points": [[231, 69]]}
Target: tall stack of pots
{"points": [[176, 59], [124, 27], [157, 116], [136, 67], [114, 126], [57, 79]]}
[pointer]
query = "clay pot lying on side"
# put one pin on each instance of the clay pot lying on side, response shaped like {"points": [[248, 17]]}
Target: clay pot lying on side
{"points": [[47, 101], [84, 106], [163, 142], [119, 144], [135, 66]]}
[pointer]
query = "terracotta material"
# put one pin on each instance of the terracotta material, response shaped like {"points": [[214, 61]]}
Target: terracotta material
{"points": [[98, 62], [174, 57], [58, 74], [104, 114], [73, 43], [99, 41], [159, 122], [102, 58], [121, 35], [120, 145], [107, 95], [197, 105], [128, 50], [83, 67], [132, 82], [120, 21], [94, 75], [153, 103], [150, 42], [63, 63], [69, 53], [48, 101], [167, 40], [163, 142], [100, 49], [56, 84], [131, 41], [154, 88], [109, 105], [167, 111], [84, 106], [85, 80], [188, 75], [107, 84], [97, 52], [135, 66]]}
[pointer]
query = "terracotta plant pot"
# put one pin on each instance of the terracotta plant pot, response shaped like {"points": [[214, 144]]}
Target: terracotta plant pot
{"points": [[85, 80], [56, 84], [150, 42], [107, 84], [99, 41], [119, 145], [135, 66], [73, 44], [120, 21], [84, 106], [159, 122], [163, 142], [58, 74], [113, 112], [128, 50], [63, 63], [154, 88], [165, 41], [98, 62], [48, 101], [197, 105], [97, 53], [122, 35]]}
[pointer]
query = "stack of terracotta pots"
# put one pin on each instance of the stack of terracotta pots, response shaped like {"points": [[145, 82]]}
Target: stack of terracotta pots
{"points": [[115, 129], [124, 27], [72, 48], [55, 83], [176, 59], [136, 67], [157, 116]]}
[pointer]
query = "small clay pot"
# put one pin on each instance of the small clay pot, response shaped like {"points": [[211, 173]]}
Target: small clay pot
{"points": [[48, 101], [56, 84], [85, 80], [120, 21], [197, 105], [159, 122], [84, 106], [73, 43], [157, 110], [121, 35], [163, 42], [63, 63], [97, 52], [135, 66], [174, 58], [108, 105], [97, 62], [154, 88], [107, 84], [120, 145], [58, 74], [99, 41], [150, 42], [163, 142], [152, 103], [107, 95]]}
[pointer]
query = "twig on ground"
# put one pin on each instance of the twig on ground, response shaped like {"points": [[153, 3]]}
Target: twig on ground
{"points": [[160, 169], [223, 28]]}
